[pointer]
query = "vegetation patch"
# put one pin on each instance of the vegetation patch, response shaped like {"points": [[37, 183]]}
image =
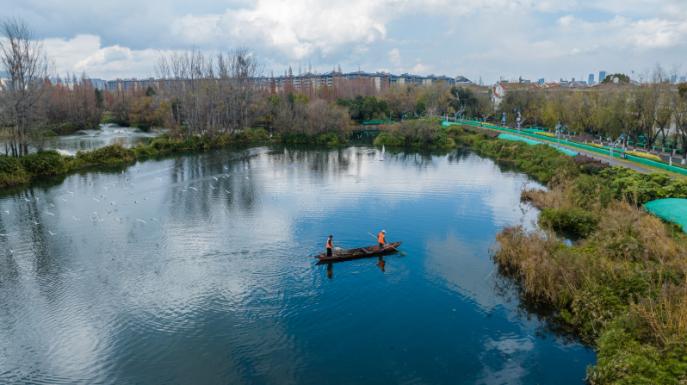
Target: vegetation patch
{"points": [[44, 164], [110, 156], [645, 155], [573, 222], [622, 286], [416, 134], [12, 172]]}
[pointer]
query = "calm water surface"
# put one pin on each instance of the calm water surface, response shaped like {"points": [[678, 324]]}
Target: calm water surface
{"points": [[196, 270]]}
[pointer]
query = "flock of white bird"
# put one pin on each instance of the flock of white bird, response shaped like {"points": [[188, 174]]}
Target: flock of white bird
{"points": [[111, 207]]}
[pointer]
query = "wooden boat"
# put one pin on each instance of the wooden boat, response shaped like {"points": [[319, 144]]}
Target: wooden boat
{"points": [[361, 252]]}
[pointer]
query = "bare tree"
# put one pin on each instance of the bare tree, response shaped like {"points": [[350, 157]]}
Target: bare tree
{"points": [[211, 95], [23, 58]]}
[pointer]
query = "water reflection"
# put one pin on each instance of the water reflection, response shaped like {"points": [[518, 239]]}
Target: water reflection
{"points": [[194, 269], [380, 263]]}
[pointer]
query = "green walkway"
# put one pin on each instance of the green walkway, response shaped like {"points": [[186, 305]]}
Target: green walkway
{"points": [[533, 142], [605, 151]]}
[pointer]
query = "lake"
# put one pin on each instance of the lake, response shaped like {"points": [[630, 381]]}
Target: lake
{"points": [[199, 270]]}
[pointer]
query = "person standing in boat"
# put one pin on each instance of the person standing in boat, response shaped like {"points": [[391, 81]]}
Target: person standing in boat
{"points": [[330, 245], [381, 239]]}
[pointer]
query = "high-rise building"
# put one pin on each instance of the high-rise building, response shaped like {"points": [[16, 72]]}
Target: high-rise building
{"points": [[673, 78], [683, 79], [590, 80], [602, 76]]}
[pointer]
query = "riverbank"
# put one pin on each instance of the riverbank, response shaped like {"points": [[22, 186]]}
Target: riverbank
{"points": [[19, 172], [621, 286]]}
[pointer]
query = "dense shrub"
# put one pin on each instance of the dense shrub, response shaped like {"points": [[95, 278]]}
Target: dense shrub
{"points": [[624, 359], [589, 192], [639, 188], [12, 172], [252, 135], [621, 288], [44, 163], [589, 165], [541, 162], [415, 134], [573, 222], [389, 139], [110, 156]]}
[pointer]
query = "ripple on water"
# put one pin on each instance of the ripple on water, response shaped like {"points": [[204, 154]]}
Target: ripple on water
{"points": [[217, 284]]}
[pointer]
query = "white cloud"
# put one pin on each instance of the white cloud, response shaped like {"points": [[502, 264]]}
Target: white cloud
{"points": [[85, 53], [420, 68], [296, 28], [657, 33], [566, 21], [487, 38], [395, 57]]}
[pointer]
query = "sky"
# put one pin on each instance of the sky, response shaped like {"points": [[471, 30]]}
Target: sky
{"points": [[479, 39]]}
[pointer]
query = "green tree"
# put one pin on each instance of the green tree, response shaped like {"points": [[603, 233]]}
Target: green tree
{"points": [[621, 79]]}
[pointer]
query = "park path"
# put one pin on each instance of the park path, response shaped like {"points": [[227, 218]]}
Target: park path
{"points": [[615, 161], [612, 161]]}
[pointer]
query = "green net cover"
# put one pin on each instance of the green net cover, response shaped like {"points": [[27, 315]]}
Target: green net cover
{"points": [[670, 209], [535, 142]]}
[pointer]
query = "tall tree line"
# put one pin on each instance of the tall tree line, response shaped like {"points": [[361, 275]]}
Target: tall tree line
{"points": [[650, 114], [26, 64]]}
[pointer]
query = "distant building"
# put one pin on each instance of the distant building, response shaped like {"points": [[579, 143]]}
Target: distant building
{"points": [[602, 76], [377, 81], [121, 85], [307, 82], [683, 79], [541, 81], [463, 80], [98, 84], [673, 78], [590, 80], [572, 83]]}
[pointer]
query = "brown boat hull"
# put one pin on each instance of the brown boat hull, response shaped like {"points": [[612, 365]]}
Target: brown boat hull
{"points": [[362, 252]]}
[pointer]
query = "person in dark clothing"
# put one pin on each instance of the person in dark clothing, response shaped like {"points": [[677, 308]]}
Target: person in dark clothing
{"points": [[330, 245]]}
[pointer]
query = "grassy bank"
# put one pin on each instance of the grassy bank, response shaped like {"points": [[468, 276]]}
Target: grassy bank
{"points": [[622, 284], [17, 172]]}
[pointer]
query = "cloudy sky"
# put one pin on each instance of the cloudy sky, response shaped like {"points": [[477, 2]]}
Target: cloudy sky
{"points": [[485, 39]]}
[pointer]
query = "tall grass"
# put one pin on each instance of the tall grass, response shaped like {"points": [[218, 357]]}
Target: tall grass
{"points": [[622, 286]]}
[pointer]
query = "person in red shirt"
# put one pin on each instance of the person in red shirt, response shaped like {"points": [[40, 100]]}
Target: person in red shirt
{"points": [[381, 239]]}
